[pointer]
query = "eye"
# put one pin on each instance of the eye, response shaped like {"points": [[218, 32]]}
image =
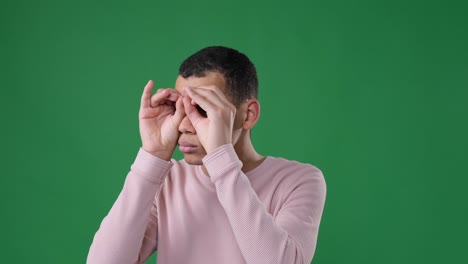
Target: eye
{"points": [[201, 111]]}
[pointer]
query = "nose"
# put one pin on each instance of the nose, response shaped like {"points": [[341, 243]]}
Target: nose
{"points": [[186, 127]]}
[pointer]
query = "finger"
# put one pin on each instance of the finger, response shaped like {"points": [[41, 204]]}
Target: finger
{"points": [[209, 94], [190, 110], [172, 98], [146, 96], [205, 102], [218, 92], [161, 97], [170, 89], [180, 111]]}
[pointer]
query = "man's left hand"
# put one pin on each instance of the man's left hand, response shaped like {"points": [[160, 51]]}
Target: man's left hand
{"points": [[214, 130]]}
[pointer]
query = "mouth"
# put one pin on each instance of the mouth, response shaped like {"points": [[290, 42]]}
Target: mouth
{"points": [[186, 147]]}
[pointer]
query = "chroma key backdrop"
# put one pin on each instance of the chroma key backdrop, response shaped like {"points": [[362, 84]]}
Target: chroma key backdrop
{"points": [[374, 93]]}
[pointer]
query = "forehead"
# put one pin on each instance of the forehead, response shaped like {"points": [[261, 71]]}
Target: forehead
{"points": [[210, 79]]}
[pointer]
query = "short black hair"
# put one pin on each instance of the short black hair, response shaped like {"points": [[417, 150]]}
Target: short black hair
{"points": [[239, 72]]}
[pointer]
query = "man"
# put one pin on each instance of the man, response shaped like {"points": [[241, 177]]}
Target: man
{"points": [[224, 202]]}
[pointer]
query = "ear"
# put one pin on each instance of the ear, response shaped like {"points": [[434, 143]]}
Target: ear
{"points": [[252, 114]]}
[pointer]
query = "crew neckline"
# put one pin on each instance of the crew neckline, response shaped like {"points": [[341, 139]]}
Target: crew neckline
{"points": [[207, 180]]}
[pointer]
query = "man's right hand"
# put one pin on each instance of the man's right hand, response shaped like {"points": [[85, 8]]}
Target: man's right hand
{"points": [[159, 117]]}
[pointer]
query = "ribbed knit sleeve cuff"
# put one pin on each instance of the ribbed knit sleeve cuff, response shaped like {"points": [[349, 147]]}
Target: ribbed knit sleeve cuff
{"points": [[221, 159], [150, 167]]}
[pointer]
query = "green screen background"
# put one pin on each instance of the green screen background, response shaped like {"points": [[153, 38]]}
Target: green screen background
{"points": [[374, 93]]}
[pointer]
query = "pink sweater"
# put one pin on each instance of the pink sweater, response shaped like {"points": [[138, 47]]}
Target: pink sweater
{"points": [[270, 214]]}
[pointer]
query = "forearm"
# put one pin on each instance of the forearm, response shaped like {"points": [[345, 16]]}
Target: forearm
{"points": [[120, 235]]}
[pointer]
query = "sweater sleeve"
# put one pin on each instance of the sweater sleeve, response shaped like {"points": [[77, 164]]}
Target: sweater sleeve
{"points": [[128, 234], [290, 237]]}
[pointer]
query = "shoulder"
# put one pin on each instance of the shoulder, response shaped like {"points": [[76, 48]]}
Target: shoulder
{"points": [[295, 173], [295, 168]]}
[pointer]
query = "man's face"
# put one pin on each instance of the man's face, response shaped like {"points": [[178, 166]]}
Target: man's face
{"points": [[189, 143]]}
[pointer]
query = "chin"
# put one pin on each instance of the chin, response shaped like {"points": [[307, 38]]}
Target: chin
{"points": [[193, 159]]}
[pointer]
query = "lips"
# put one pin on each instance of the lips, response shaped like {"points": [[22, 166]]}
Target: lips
{"points": [[186, 147]]}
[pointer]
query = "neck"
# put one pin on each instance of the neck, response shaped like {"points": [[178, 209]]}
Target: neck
{"points": [[246, 153]]}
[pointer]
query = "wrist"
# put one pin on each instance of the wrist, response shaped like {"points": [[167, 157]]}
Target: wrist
{"points": [[161, 154], [215, 146]]}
